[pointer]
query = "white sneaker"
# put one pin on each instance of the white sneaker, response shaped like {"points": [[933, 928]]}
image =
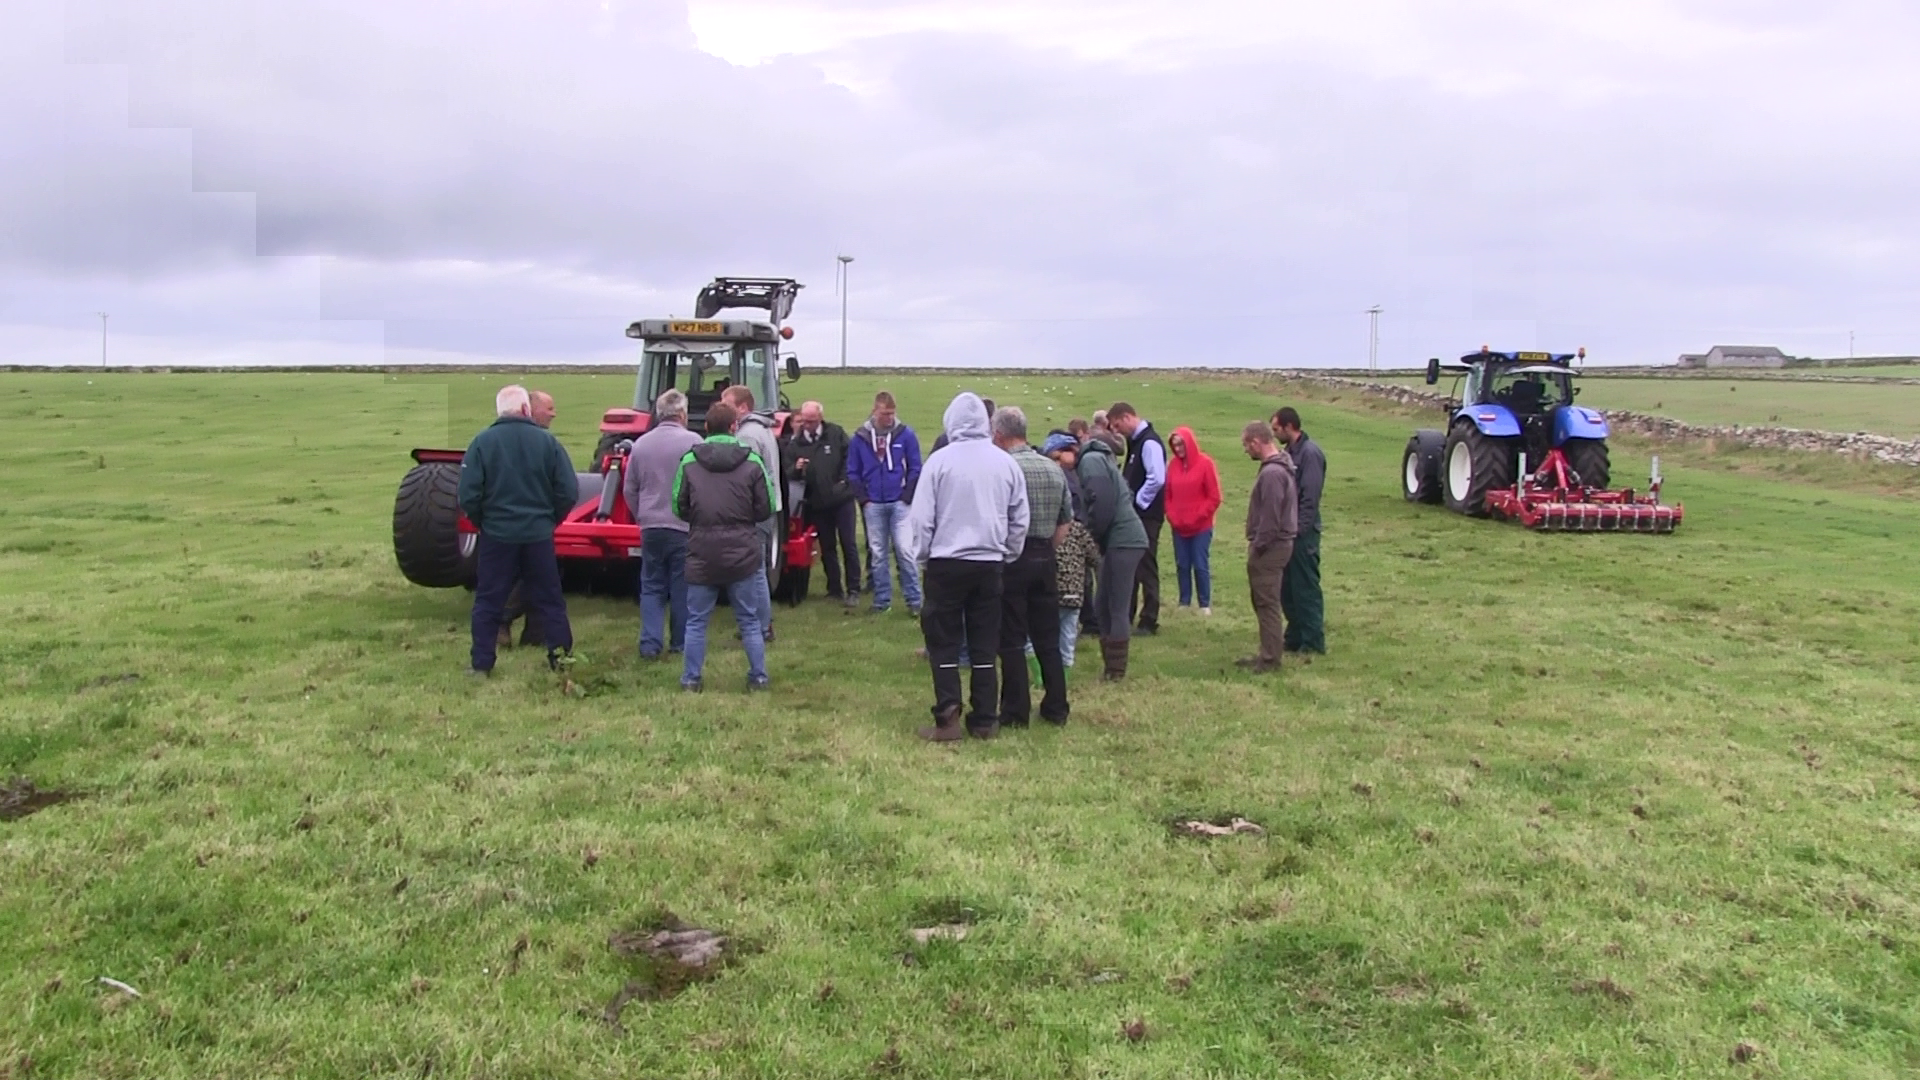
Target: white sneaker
{"points": [[1206, 611]]}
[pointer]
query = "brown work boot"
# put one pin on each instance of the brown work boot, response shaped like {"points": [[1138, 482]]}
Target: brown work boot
{"points": [[504, 639], [1115, 655], [1256, 664], [946, 726]]}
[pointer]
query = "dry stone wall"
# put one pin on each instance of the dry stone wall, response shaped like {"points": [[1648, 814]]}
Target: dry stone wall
{"points": [[1858, 444]]}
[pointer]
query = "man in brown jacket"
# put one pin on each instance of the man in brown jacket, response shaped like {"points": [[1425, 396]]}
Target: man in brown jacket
{"points": [[1273, 521]]}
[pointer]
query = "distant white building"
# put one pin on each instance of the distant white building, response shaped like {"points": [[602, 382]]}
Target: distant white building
{"points": [[1736, 356]]}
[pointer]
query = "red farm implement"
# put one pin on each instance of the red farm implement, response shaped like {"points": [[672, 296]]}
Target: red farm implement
{"points": [[1551, 498], [434, 542]]}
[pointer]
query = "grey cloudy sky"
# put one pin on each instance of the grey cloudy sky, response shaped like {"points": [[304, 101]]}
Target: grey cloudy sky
{"points": [[1222, 182]]}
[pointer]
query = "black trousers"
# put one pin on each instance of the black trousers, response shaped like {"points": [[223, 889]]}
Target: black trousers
{"points": [[502, 566], [1030, 607], [1146, 580], [837, 533], [962, 604]]}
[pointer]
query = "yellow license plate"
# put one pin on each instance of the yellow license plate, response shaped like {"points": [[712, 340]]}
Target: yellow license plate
{"points": [[710, 328], [1533, 356]]}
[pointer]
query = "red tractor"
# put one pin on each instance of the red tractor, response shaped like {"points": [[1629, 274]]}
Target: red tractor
{"points": [[598, 542]]}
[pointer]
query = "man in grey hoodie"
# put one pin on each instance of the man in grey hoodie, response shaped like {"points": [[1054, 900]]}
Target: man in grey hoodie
{"points": [[969, 520]]}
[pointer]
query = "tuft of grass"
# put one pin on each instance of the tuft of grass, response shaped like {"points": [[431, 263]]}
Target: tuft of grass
{"points": [[1553, 806]]}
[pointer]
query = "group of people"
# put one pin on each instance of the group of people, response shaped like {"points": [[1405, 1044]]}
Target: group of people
{"points": [[1003, 550]]}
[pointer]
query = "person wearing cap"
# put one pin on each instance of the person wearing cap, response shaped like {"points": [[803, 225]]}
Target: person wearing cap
{"points": [[1075, 554]]}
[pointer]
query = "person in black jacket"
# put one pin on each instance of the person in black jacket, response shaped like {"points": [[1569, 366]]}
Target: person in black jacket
{"points": [[723, 492], [516, 484], [1146, 473], [816, 455], [1300, 598]]}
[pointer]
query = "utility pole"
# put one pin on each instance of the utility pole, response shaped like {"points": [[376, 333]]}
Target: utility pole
{"points": [[1373, 337], [1849, 344], [103, 339], [842, 283]]}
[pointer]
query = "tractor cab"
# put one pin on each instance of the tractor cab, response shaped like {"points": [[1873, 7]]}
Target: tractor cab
{"points": [[702, 356]]}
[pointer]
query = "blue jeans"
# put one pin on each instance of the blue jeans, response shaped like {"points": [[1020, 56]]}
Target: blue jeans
{"points": [[663, 588], [1193, 562], [749, 597], [768, 541], [1069, 635], [885, 523]]}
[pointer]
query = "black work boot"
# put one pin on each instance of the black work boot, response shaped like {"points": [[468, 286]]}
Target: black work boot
{"points": [[946, 726]]}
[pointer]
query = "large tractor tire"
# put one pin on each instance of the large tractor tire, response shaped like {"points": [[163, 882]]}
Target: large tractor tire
{"points": [[427, 540], [609, 441], [1420, 466], [1589, 459], [1475, 464]]}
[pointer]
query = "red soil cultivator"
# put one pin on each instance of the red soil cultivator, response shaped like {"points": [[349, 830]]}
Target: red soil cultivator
{"points": [[1551, 498]]}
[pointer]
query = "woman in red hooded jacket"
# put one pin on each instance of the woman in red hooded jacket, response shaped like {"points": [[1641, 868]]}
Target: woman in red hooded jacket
{"points": [[1193, 496]]}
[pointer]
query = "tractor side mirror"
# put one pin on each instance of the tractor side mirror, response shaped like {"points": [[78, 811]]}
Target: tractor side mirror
{"points": [[793, 368], [1433, 371]]}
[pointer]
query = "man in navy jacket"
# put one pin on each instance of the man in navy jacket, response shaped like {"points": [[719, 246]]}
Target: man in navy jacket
{"points": [[883, 464]]}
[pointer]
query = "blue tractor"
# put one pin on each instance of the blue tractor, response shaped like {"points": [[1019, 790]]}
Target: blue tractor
{"points": [[1517, 447]]}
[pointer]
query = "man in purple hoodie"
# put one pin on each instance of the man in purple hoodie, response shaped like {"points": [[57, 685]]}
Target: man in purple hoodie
{"points": [[883, 465]]}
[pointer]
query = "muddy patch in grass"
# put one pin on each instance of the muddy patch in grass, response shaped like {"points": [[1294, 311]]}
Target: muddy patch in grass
{"points": [[667, 955], [19, 797], [1216, 826], [946, 919]]}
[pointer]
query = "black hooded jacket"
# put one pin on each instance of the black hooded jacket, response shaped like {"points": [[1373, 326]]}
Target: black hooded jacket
{"points": [[722, 493]]}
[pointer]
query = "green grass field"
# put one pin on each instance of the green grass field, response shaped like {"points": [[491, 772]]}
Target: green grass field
{"points": [[1884, 409], [1554, 806]]}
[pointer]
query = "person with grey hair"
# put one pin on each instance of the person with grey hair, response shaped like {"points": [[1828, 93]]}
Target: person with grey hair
{"points": [[540, 407], [816, 456], [1029, 597], [652, 465], [516, 484]]}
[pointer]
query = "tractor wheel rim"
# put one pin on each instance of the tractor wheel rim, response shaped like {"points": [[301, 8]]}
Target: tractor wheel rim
{"points": [[1413, 474], [1460, 471]]}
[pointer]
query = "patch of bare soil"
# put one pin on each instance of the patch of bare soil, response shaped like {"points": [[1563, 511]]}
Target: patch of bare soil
{"points": [[19, 797], [671, 955], [1224, 825]]}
